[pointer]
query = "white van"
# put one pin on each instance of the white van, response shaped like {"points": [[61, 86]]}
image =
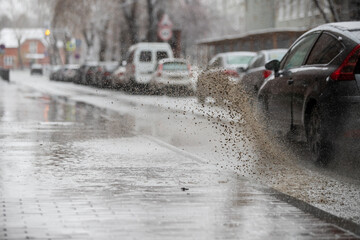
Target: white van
{"points": [[142, 59]]}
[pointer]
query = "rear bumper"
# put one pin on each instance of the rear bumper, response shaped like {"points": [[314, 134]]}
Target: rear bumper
{"points": [[164, 83]]}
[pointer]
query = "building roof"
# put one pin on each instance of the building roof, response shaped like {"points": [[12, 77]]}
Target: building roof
{"points": [[9, 36], [250, 33]]}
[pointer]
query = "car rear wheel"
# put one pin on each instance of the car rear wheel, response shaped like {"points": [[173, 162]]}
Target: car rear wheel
{"points": [[320, 148]]}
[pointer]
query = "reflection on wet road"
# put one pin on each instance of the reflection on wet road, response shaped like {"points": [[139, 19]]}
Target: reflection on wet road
{"points": [[71, 170]]}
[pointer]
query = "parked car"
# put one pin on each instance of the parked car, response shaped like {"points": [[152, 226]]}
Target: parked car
{"points": [[172, 76], [256, 73], [103, 74], [314, 90], [71, 72], [141, 61], [59, 74], [36, 69], [221, 74], [53, 70], [88, 76], [118, 78]]}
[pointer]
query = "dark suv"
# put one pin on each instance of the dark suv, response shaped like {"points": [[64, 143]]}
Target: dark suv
{"points": [[315, 89]]}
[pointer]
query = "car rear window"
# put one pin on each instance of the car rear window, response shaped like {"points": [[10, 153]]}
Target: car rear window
{"points": [[175, 66], [326, 49], [238, 59], [145, 56], [111, 67], [161, 55]]}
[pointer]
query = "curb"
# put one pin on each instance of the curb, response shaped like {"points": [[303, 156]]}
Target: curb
{"points": [[316, 212]]}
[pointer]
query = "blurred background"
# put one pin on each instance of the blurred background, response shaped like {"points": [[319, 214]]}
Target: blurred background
{"points": [[73, 32]]}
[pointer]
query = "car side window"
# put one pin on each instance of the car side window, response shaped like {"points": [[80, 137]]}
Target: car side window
{"points": [[145, 56], [252, 62], [161, 55], [216, 63], [259, 62], [299, 52], [325, 50]]}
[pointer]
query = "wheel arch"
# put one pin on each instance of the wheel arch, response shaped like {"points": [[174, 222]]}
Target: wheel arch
{"points": [[309, 106]]}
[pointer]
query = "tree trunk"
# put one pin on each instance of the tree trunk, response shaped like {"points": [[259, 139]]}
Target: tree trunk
{"points": [[21, 65], [321, 11], [151, 31], [130, 18], [103, 42], [333, 11]]}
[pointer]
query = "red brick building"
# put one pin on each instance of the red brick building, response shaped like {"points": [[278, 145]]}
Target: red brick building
{"points": [[32, 47]]}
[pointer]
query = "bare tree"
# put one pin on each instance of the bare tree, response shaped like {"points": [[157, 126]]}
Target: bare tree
{"points": [[129, 10], [151, 31], [316, 2], [334, 16], [333, 11]]}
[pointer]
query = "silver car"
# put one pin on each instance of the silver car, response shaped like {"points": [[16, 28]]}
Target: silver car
{"points": [[172, 76]]}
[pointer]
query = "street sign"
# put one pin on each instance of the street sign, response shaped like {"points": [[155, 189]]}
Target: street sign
{"points": [[2, 49], [165, 33], [165, 22], [70, 46], [78, 43], [165, 28]]}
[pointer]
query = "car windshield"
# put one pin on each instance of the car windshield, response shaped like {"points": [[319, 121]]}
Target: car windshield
{"points": [[175, 66], [238, 59], [179, 119]]}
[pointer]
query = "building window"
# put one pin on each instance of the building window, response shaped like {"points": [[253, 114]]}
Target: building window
{"points": [[33, 47], [9, 60]]}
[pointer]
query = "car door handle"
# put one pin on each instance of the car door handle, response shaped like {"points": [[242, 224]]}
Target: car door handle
{"points": [[290, 81]]}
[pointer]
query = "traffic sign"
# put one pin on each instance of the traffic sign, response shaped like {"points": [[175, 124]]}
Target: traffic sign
{"points": [[165, 22], [165, 28], [70, 46], [165, 33]]}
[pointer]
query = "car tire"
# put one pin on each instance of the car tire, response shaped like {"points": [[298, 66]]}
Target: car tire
{"points": [[320, 147]]}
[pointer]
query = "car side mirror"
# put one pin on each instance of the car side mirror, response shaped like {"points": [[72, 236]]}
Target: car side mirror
{"points": [[273, 65]]}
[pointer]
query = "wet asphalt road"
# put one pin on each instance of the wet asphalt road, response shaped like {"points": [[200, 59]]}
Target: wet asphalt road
{"points": [[69, 170]]}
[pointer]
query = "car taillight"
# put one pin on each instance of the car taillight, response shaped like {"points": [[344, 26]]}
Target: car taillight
{"points": [[266, 73], [159, 71], [231, 73], [346, 70], [189, 69], [107, 74]]}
